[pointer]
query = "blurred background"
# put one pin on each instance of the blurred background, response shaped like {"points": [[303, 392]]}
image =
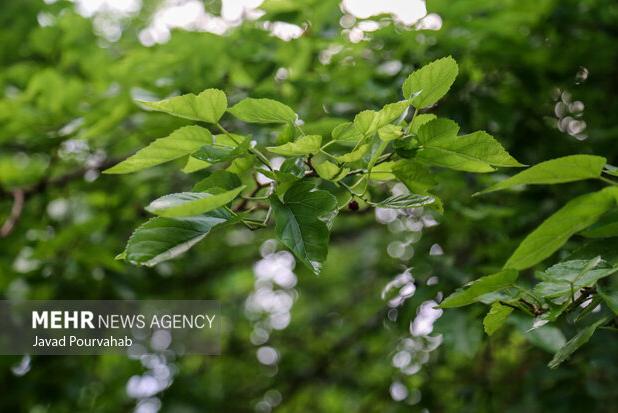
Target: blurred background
{"points": [[540, 75]]}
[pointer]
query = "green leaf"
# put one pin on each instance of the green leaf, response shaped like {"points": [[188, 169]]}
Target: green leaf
{"points": [[475, 152], [391, 112], [416, 177], [305, 145], [548, 338], [496, 317], [263, 111], [208, 106], [218, 179], [369, 121], [366, 122], [346, 132], [179, 143], [610, 298], [329, 170], [576, 342], [355, 155], [570, 276], [419, 120], [194, 165], [406, 201], [606, 227], [384, 171], [299, 224], [186, 204], [576, 215], [390, 132], [555, 171], [475, 289], [430, 83], [218, 152], [611, 170], [437, 130], [161, 239]]}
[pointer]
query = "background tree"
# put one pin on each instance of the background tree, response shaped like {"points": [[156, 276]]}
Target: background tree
{"points": [[538, 75]]}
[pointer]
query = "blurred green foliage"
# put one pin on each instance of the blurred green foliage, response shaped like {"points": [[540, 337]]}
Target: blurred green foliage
{"points": [[68, 111]]}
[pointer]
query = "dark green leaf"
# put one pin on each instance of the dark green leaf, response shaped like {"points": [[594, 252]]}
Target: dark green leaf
{"points": [[566, 277], [161, 239], [299, 223], [218, 179], [610, 298], [215, 153], [576, 342]]}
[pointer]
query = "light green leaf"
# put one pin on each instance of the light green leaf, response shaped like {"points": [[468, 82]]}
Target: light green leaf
{"points": [[383, 171], [570, 276], [390, 132], [355, 155], [391, 112], [430, 83], [194, 165], [475, 289], [263, 111], [161, 239], [406, 201], [576, 215], [419, 120], [208, 106], [369, 121], [555, 171], [185, 204], [299, 223], [475, 152], [496, 317], [346, 132], [366, 122], [437, 130], [416, 177], [179, 143], [576, 342], [329, 170], [305, 145]]}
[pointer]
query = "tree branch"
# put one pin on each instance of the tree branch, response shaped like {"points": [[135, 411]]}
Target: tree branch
{"points": [[18, 206]]}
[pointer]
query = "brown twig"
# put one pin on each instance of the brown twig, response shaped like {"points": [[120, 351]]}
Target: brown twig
{"points": [[18, 206], [22, 194]]}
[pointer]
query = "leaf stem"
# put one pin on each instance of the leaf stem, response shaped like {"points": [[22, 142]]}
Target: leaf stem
{"points": [[374, 158], [607, 180], [255, 151]]}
